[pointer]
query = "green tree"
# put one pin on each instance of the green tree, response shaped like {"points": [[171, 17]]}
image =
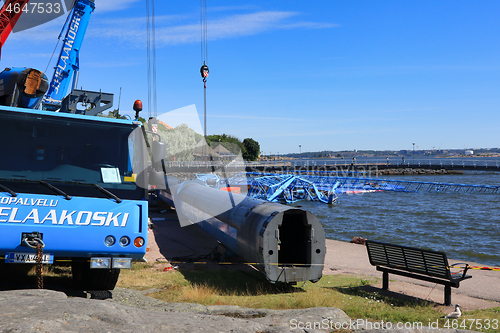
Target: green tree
{"points": [[231, 143], [252, 149]]}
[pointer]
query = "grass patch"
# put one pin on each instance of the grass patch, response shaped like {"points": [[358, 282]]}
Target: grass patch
{"points": [[489, 320], [353, 295]]}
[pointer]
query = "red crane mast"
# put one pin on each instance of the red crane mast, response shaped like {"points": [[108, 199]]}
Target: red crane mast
{"points": [[10, 13]]}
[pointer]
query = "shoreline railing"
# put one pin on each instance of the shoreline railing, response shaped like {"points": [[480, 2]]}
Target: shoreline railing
{"points": [[445, 163]]}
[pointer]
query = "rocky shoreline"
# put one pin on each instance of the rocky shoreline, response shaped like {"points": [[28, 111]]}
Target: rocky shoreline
{"points": [[372, 173], [410, 171]]}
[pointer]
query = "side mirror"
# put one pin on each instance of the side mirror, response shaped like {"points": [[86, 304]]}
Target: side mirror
{"points": [[159, 152], [156, 173]]}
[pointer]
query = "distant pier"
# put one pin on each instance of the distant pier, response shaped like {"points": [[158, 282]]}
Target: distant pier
{"points": [[433, 166]]}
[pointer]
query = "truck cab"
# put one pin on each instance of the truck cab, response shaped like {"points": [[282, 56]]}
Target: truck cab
{"points": [[67, 182]]}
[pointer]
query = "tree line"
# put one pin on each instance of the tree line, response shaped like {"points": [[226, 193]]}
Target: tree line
{"points": [[182, 140]]}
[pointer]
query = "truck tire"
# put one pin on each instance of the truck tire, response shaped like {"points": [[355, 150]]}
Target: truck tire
{"points": [[94, 279]]}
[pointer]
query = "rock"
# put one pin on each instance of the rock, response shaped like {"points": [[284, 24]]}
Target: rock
{"points": [[125, 310], [358, 240], [130, 311]]}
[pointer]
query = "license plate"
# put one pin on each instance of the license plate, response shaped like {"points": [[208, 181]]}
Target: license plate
{"points": [[27, 258]]}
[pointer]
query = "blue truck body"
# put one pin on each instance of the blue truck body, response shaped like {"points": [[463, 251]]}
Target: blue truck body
{"points": [[72, 228], [69, 178]]}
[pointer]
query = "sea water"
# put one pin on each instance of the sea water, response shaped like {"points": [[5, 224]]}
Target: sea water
{"points": [[465, 226]]}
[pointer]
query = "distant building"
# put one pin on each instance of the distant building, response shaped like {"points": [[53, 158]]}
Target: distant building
{"points": [[469, 152]]}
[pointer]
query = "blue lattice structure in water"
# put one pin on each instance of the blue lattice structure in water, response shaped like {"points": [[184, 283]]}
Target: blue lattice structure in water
{"points": [[326, 180], [324, 186], [290, 188]]}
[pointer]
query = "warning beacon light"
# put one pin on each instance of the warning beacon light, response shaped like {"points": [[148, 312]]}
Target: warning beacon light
{"points": [[137, 108]]}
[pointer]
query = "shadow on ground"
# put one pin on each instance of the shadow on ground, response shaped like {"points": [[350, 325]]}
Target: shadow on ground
{"points": [[387, 296], [56, 278], [233, 281]]}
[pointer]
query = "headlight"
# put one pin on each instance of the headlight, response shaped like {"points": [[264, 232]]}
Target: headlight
{"points": [[122, 263], [100, 262]]}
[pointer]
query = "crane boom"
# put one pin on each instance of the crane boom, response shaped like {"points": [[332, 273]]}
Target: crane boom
{"points": [[67, 66], [9, 14]]}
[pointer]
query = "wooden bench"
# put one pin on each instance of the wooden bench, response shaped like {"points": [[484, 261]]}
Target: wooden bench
{"points": [[426, 265]]}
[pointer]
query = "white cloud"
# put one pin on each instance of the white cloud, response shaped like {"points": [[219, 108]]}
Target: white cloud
{"points": [[231, 8], [223, 28], [170, 29]]}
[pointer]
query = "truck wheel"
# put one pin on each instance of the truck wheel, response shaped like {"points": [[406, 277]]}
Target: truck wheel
{"points": [[94, 279]]}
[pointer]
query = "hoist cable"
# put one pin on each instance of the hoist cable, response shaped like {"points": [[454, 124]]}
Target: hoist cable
{"points": [[204, 60], [205, 110], [151, 54], [203, 31], [148, 49], [52, 56], [153, 46]]}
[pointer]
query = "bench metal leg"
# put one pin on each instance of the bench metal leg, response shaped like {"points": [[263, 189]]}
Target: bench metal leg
{"points": [[385, 280], [447, 295]]}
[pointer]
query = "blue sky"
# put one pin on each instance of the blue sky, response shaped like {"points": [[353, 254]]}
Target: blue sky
{"points": [[326, 75]]}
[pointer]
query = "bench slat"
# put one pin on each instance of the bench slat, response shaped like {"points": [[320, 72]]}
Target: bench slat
{"points": [[431, 263]]}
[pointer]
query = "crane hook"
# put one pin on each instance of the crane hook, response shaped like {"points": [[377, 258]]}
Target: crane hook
{"points": [[204, 72]]}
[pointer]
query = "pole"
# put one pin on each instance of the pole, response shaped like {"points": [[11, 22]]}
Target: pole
{"points": [[413, 153]]}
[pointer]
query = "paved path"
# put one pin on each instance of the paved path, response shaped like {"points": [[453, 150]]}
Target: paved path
{"points": [[480, 292]]}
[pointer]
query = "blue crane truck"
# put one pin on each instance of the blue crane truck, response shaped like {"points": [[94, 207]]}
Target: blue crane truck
{"points": [[67, 182]]}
